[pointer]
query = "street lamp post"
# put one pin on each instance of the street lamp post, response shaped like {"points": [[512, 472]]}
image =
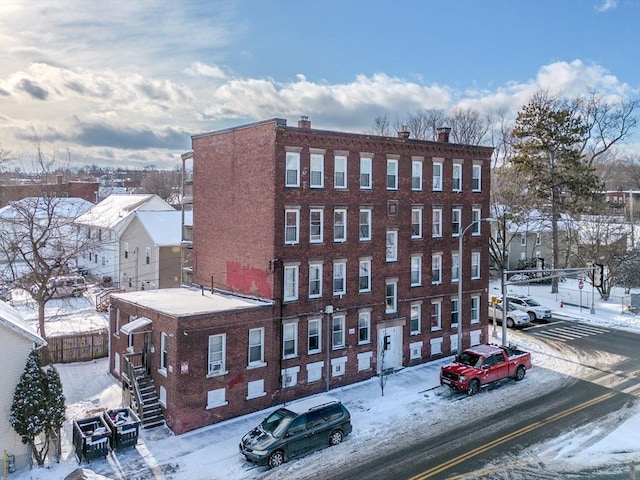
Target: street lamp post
{"points": [[460, 275]]}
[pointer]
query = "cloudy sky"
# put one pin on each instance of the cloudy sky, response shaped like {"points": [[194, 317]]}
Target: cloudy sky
{"points": [[126, 83]]}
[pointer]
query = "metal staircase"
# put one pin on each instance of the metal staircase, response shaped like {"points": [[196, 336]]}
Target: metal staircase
{"points": [[141, 392]]}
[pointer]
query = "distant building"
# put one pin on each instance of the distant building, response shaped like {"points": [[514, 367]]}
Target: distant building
{"points": [[36, 187]]}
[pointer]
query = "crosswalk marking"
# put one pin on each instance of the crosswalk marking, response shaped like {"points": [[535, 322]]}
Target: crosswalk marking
{"points": [[571, 332]]}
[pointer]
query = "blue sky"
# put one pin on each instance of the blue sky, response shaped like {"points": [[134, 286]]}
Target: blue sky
{"points": [[126, 83]]}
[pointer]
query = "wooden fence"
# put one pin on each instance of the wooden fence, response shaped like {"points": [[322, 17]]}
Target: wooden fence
{"points": [[78, 347]]}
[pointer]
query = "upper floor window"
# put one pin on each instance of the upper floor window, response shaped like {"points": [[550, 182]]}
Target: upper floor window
{"points": [[292, 174], [523, 239], [476, 216], [340, 225], [147, 256], [436, 268], [455, 267], [364, 326], [457, 177], [416, 175], [217, 354], [365, 224], [164, 352], [436, 315], [416, 222], [455, 311], [365, 172], [475, 309], [340, 171], [339, 278], [291, 226], [290, 283], [392, 174], [126, 249], [392, 245], [415, 318], [456, 220], [538, 239], [314, 336], [256, 346], [391, 296], [475, 265], [436, 223], [315, 280], [416, 270], [437, 176], [316, 170], [364, 276], [315, 225], [290, 340], [476, 182], [338, 331]]}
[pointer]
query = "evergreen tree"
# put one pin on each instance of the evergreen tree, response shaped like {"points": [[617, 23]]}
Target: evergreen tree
{"points": [[56, 408]]}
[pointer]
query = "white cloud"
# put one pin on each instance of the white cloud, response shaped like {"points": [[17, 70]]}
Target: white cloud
{"points": [[607, 5], [204, 70]]}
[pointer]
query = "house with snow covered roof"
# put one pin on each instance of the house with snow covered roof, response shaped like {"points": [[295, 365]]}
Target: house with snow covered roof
{"points": [[106, 223], [17, 340]]}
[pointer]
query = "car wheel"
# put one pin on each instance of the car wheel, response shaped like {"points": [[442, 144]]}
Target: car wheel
{"points": [[510, 322], [520, 373], [335, 438], [276, 459], [474, 387], [532, 316]]}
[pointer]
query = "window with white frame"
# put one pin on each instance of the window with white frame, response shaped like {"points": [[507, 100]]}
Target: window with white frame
{"points": [[392, 174], [314, 336], [365, 173], [436, 315], [365, 224], [314, 371], [476, 215], [436, 268], [316, 170], [255, 389], [147, 256], [455, 267], [338, 333], [455, 311], [416, 270], [364, 327], [475, 309], [340, 171], [416, 175], [476, 181], [364, 276], [217, 354], [126, 249], [315, 279], [456, 219], [164, 352], [416, 313], [391, 295], [292, 173], [475, 265], [340, 225], [437, 176], [364, 360], [416, 222], [457, 177], [340, 277], [256, 347], [290, 282], [290, 340], [216, 398], [290, 376], [436, 223], [291, 226], [392, 246], [315, 225]]}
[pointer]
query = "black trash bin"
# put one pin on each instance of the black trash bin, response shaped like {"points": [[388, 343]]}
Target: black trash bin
{"points": [[91, 438], [124, 425]]}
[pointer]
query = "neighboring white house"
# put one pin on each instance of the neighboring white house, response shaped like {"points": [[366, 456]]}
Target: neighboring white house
{"points": [[17, 340], [150, 251], [106, 222]]}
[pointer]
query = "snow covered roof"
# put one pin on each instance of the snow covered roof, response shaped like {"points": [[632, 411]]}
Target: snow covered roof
{"points": [[116, 208], [63, 207], [188, 301], [11, 318], [164, 227]]}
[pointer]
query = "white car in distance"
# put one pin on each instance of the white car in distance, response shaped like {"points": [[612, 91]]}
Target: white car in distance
{"points": [[515, 317]]}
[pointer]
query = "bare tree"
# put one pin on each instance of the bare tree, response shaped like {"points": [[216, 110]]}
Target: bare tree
{"points": [[467, 126], [424, 124], [164, 183], [381, 126]]}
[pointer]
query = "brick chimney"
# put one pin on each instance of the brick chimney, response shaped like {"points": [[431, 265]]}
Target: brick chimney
{"points": [[404, 132], [443, 134], [304, 122]]}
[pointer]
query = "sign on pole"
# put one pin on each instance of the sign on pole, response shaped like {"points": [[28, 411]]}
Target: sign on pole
{"points": [[580, 284]]}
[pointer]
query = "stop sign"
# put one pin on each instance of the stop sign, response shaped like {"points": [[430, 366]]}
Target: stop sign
{"points": [[580, 284]]}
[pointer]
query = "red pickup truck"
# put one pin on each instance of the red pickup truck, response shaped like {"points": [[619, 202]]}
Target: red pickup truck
{"points": [[483, 365]]}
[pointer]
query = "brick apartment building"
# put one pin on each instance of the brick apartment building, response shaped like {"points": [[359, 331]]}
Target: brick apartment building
{"points": [[351, 242]]}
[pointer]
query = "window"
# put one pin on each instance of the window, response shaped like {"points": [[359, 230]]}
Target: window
{"points": [[416, 175], [365, 224], [338, 340], [364, 276], [290, 283], [476, 182], [436, 315], [392, 246], [340, 171], [475, 265], [416, 222], [365, 173], [456, 219], [538, 239], [164, 353], [416, 270], [476, 216], [290, 378], [147, 256], [290, 340], [475, 309], [364, 327], [436, 227], [104, 261], [126, 249], [130, 281], [256, 347], [455, 267], [339, 278], [292, 174], [391, 296], [392, 174], [415, 318], [316, 170], [315, 280], [436, 268], [314, 336], [315, 225], [457, 177], [340, 225], [291, 224], [217, 354], [437, 176], [455, 310], [523, 239], [499, 237]]}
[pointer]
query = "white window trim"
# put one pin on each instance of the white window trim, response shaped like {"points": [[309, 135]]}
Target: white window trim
{"points": [[415, 308], [438, 305], [437, 186], [455, 266], [368, 211], [319, 323], [295, 211], [316, 158], [367, 163], [457, 211], [296, 275], [261, 362], [475, 264], [223, 362], [294, 157], [416, 168], [391, 308], [316, 265], [295, 340], [341, 321], [416, 260], [337, 160], [393, 164], [368, 262], [436, 212], [392, 246], [477, 175], [475, 313], [364, 315], [417, 210], [343, 212], [476, 216], [436, 266], [340, 267], [316, 238], [457, 167]]}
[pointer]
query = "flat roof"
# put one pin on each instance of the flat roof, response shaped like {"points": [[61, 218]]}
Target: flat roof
{"points": [[184, 301]]}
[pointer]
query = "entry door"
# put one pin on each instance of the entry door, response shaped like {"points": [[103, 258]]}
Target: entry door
{"points": [[391, 357]]}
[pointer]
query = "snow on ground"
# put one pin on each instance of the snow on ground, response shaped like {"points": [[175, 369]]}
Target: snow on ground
{"points": [[413, 403]]}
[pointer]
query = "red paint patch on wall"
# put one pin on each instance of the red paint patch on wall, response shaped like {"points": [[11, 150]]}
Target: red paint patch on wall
{"points": [[252, 281]]}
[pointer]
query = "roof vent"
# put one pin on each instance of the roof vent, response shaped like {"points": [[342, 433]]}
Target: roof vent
{"points": [[443, 134], [404, 132]]}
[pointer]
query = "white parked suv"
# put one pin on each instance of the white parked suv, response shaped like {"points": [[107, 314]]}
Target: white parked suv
{"points": [[514, 316], [531, 306]]}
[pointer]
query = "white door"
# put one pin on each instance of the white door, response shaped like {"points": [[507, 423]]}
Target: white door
{"points": [[389, 348]]}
